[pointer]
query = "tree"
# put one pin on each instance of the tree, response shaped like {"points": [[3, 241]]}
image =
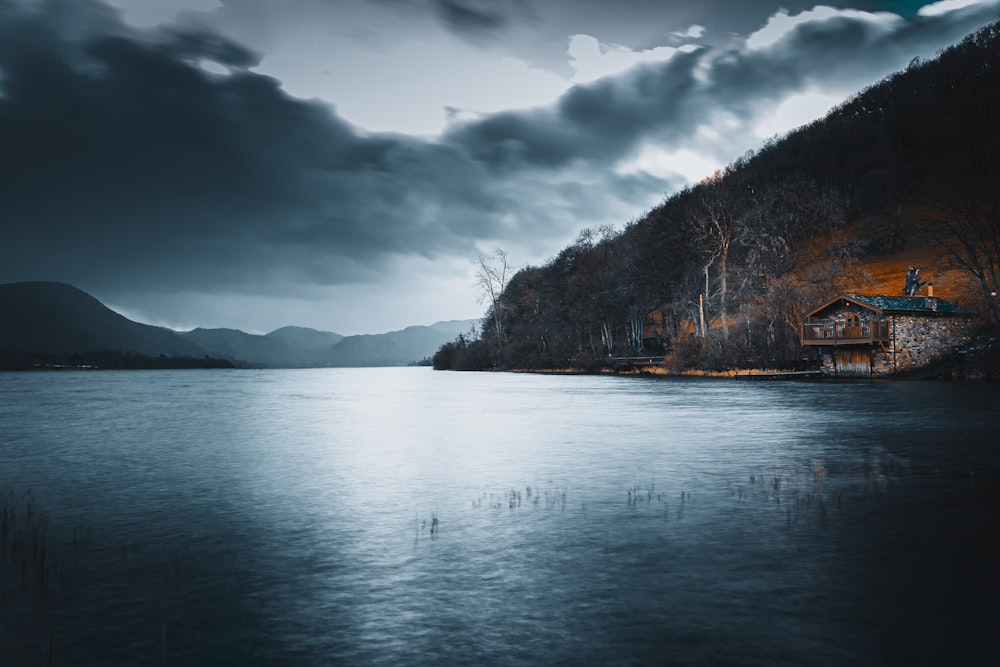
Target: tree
{"points": [[491, 279], [718, 224], [967, 226]]}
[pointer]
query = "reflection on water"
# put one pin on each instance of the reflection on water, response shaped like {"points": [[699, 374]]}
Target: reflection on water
{"points": [[400, 516]]}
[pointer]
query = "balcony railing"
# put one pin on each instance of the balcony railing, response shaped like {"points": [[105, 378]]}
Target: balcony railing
{"points": [[838, 333]]}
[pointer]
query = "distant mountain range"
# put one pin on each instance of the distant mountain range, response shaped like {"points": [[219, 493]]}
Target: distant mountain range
{"points": [[49, 323]]}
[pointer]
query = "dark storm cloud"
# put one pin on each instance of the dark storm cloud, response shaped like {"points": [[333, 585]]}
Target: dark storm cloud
{"points": [[464, 17], [124, 161], [601, 121], [194, 44], [140, 163], [123, 158]]}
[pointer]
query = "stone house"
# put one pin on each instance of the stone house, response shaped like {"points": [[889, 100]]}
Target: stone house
{"points": [[860, 335]]}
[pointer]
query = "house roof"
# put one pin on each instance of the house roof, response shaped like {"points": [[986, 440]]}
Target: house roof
{"points": [[909, 304], [883, 303]]}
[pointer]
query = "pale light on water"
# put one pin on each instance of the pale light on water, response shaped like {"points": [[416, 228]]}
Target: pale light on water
{"points": [[402, 516]]}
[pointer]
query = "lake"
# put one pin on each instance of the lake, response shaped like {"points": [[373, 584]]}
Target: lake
{"points": [[404, 516]]}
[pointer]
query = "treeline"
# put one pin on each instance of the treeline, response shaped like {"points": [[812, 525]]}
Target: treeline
{"points": [[107, 360], [712, 277]]}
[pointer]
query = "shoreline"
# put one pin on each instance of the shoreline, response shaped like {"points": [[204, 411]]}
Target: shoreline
{"points": [[973, 374]]}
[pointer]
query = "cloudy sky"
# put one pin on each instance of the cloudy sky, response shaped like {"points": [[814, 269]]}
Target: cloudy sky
{"points": [[340, 164]]}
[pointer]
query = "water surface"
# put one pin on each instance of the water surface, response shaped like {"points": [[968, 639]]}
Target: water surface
{"points": [[288, 517]]}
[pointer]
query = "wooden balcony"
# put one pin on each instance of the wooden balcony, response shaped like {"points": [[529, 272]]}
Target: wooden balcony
{"points": [[837, 333]]}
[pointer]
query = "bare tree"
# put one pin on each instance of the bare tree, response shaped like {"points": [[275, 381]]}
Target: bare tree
{"points": [[718, 224], [491, 279], [967, 226]]}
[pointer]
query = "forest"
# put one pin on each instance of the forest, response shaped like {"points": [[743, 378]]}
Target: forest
{"points": [[720, 274]]}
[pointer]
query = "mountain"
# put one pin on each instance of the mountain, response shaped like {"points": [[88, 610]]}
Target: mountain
{"points": [[304, 338], [50, 318], [49, 323], [297, 347], [245, 349], [455, 327], [396, 348]]}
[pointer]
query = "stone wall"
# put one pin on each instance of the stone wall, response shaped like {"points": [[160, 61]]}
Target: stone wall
{"points": [[919, 340], [882, 361]]}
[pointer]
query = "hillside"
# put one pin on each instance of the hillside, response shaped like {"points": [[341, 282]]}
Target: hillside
{"points": [[396, 348], [55, 318], [720, 274], [49, 324], [245, 349], [300, 347], [304, 338]]}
